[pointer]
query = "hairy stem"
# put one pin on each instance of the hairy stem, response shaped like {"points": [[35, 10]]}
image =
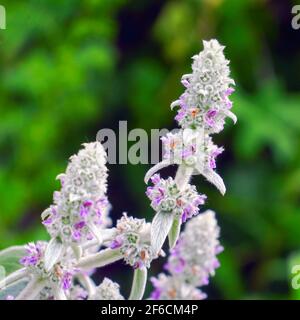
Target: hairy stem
{"points": [[100, 259], [32, 289], [14, 250], [13, 278], [183, 176], [88, 283]]}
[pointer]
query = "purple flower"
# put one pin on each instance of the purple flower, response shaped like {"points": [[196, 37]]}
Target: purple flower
{"points": [[155, 179], [67, 280], [229, 91], [180, 115], [180, 265], [76, 235], [51, 215], [34, 254], [191, 208], [185, 82], [87, 203], [116, 243], [213, 156], [79, 225], [165, 196], [84, 211], [48, 221], [210, 117], [155, 294]]}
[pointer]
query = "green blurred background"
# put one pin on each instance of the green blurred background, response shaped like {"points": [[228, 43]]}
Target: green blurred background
{"points": [[70, 68]]}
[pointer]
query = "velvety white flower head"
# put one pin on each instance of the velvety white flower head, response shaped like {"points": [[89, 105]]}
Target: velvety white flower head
{"points": [[80, 208], [191, 262], [194, 258], [180, 148], [193, 149], [165, 196], [60, 274], [107, 290], [133, 240], [205, 102], [173, 288]]}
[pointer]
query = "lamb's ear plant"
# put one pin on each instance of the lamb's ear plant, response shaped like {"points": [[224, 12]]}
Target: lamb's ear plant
{"points": [[81, 236]]}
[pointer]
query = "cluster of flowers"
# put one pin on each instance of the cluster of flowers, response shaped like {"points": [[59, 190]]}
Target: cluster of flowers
{"points": [[191, 261], [167, 197], [205, 102], [60, 275], [133, 240], [78, 222], [79, 216], [203, 108], [107, 290], [81, 207], [186, 147]]}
